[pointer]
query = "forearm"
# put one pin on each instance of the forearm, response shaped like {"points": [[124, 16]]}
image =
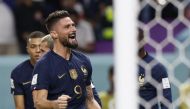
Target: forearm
{"points": [[46, 104], [17, 107], [91, 103], [167, 95]]}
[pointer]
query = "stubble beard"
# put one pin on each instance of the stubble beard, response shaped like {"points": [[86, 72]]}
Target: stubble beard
{"points": [[66, 42]]}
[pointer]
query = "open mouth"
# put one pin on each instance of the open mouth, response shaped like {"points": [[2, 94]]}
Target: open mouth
{"points": [[72, 35]]}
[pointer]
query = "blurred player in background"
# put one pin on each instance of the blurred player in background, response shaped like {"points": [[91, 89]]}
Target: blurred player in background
{"points": [[185, 96], [21, 76], [160, 90], [46, 44], [107, 97], [62, 78]]}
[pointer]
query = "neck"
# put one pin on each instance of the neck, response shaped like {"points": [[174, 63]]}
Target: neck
{"points": [[64, 52], [32, 62]]}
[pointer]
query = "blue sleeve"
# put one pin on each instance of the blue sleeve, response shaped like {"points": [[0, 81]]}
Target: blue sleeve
{"points": [[161, 76], [89, 69], [16, 87], [40, 78]]}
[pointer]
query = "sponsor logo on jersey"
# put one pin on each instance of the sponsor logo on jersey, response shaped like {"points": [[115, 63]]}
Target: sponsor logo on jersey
{"points": [[25, 83], [60, 76]]}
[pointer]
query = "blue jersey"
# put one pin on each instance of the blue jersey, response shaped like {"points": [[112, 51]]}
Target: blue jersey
{"points": [[149, 92], [60, 76], [21, 78]]}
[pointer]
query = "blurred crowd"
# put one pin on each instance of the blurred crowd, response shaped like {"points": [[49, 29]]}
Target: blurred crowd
{"points": [[21, 17], [94, 19]]}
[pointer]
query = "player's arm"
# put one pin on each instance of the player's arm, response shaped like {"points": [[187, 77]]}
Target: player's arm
{"points": [[34, 96], [167, 94], [17, 91], [19, 101], [96, 96], [41, 101], [162, 77], [91, 103]]}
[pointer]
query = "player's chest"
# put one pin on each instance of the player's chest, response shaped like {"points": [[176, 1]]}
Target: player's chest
{"points": [[25, 82], [76, 73], [144, 81]]}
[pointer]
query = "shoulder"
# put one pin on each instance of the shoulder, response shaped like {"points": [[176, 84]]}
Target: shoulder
{"points": [[159, 71], [156, 65], [80, 55], [45, 59], [44, 64], [20, 68]]}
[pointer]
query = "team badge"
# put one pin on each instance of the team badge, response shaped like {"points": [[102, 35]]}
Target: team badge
{"points": [[78, 91], [73, 74], [141, 79], [84, 70]]}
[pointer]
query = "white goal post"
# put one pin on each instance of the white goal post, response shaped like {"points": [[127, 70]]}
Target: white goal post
{"points": [[125, 52]]}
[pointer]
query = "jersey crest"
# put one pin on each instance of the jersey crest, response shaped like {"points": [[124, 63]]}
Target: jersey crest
{"points": [[73, 74]]}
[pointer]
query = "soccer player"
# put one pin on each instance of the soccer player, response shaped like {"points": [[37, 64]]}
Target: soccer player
{"points": [[62, 77], [147, 90], [21, 76], [46, 44], [107, 97]]}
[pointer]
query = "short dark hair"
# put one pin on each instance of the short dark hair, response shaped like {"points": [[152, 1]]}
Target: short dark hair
{"points": [[54, 17], [35, 34]]}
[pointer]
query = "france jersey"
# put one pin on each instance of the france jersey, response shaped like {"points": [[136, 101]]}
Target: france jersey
{"points": [[21, 78], [60, 76], [146, 90]]}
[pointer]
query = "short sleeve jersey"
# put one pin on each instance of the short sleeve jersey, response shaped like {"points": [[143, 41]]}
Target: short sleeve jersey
{"points": [[21, 78], [147, 90], [60, 76]]}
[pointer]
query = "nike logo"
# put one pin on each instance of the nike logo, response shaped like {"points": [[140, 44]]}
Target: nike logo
{"points": [[61, 76], [25, 83]]}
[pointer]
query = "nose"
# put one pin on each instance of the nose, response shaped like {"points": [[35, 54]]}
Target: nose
{"points": [[38, 49], [74, 29]]}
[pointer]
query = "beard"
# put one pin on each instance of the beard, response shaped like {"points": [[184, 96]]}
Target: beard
{"points": [[69, 42]]}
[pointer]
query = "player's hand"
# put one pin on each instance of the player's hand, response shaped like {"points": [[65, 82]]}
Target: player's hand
{"points": [[62, 101]]}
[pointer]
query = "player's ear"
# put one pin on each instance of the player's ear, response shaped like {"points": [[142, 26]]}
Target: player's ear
{"points": [[53, 34], [27, 47]]}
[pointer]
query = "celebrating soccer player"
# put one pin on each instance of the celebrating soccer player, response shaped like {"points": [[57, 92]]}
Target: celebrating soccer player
{"points": [[62, 77]]}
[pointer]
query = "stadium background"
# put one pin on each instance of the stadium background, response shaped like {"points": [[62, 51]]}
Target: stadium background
{"points": [[160, 23]]}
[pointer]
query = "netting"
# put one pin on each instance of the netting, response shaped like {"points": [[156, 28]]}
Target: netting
{"points": [[166, 27]]}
